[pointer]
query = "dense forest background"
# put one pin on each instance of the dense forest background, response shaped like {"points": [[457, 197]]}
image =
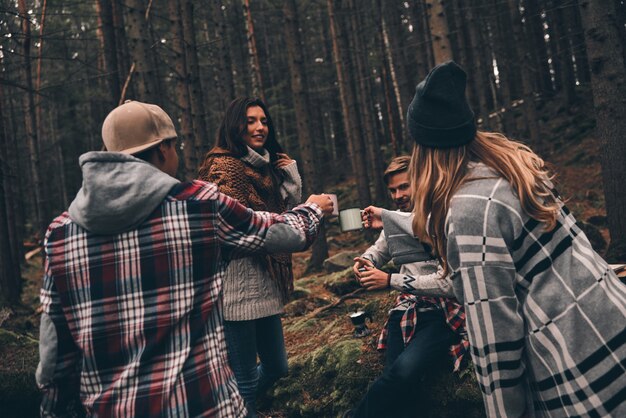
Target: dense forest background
{"points": [[337, 76]]}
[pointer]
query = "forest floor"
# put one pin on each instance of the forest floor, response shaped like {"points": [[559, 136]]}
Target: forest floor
{"points": [[568, 144]]}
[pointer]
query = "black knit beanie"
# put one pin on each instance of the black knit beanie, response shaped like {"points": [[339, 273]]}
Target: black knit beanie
{"points": [[439, 115]]}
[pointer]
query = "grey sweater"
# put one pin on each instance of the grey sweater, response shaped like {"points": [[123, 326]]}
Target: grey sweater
{"points": [[419, 273], [249, 290]]}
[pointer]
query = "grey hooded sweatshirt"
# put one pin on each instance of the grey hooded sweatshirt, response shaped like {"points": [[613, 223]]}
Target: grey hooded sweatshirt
{"points": [[119, 192]]}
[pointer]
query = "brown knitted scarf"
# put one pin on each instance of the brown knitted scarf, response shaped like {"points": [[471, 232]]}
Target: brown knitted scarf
{"points": [[256, 188]]}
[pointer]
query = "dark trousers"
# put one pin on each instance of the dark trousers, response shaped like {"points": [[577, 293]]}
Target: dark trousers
{"points": [[395, 392], [246, 339]]}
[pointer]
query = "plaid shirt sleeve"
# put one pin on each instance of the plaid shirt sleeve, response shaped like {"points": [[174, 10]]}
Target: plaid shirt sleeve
{"points": [[483, 272], [57, 374], [243, 231]]}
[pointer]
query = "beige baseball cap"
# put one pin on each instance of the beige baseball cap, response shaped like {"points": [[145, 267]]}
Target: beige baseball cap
{"points": [[135, 126]]}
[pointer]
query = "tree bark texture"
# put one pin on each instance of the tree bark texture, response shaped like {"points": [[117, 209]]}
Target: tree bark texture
{"points": [[608, 80]]}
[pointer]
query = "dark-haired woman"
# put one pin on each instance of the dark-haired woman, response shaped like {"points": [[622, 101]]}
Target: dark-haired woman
{"points": [[247, 163]]}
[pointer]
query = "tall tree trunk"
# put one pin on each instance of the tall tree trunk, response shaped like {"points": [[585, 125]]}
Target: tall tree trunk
{"points": [[366, 105], [608, 80], [41, 213], [394, 122], [552, 43], [477, 74], [439, 31], [568, 78], [523, 39], [539, 49], [190, 154], [10, 274], [255, 64], [239, 46], [109, 56], [302, 110], [140, 42], [577, 36], [393, 78], [124, 63], [198, 113], [222, 63], [348, 105], [17, 181], [394, 37], [620, 8], [57, 156], [10, 279], [421, 33]]}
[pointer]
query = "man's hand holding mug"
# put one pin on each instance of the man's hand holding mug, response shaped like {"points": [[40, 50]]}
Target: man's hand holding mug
{"points": [[372, 217]]}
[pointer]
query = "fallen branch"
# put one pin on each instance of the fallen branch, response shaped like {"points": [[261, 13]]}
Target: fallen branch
{"points": [[351, 295], [32, 253]]}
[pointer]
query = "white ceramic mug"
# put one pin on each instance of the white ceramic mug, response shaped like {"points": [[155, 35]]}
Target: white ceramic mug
{"points": [[350, 219]]}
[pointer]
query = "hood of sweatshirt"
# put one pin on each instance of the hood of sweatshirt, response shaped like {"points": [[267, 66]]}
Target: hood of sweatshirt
{"points": [[118, 192]]}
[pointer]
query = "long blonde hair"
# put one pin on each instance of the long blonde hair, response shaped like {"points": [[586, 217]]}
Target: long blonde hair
{"points": [[437, 173]]}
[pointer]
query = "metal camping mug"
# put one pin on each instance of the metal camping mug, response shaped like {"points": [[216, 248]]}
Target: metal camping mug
{"points": [[358, 320], [350, 219]]}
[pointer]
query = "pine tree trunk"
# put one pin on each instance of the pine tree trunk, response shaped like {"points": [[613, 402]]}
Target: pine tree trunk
{"points": [[402, 66], [253, 55], [553, 47], [302, 110], [568, 78], [181, 89], [394, 85], [57, 155], [10, 274], [608, 81], [577, 38], [439, 31], [539, 49], [523, 40], [500, 35], [139, 40], [366, 105], [424, 51], [41, 213], [109, 55], [476, 74], [222, 63], [16, 179], [198, 113], [121, 48], [348, 105], [394, 125]]}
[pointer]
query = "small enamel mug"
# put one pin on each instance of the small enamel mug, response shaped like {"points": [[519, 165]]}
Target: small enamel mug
{"points": [[350, 219]]}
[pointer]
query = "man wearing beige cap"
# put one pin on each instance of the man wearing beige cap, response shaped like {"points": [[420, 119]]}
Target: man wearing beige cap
{"points": [[131, 296]]}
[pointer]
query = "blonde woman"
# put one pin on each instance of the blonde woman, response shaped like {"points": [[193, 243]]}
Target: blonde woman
{"points": [[546, 315]]}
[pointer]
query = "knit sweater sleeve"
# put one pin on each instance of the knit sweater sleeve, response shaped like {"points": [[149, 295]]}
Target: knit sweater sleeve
{"points": [[291, 187], [480, 228], [228, 174]]}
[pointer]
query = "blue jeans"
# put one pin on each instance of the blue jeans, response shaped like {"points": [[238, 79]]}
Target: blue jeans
{"points": [[395, 392], [246, 339]]}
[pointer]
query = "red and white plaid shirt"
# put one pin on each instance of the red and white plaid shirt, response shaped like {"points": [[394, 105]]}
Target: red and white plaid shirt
{"points": [[138, 315], [453, 312]]}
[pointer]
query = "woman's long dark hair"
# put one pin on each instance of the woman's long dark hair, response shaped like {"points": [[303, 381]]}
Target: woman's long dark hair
{"points": [[235, 123]]}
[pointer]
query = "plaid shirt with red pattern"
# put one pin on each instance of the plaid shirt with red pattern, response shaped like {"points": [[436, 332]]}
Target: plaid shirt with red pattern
{"points": [[454, 314], [138, 315]]}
